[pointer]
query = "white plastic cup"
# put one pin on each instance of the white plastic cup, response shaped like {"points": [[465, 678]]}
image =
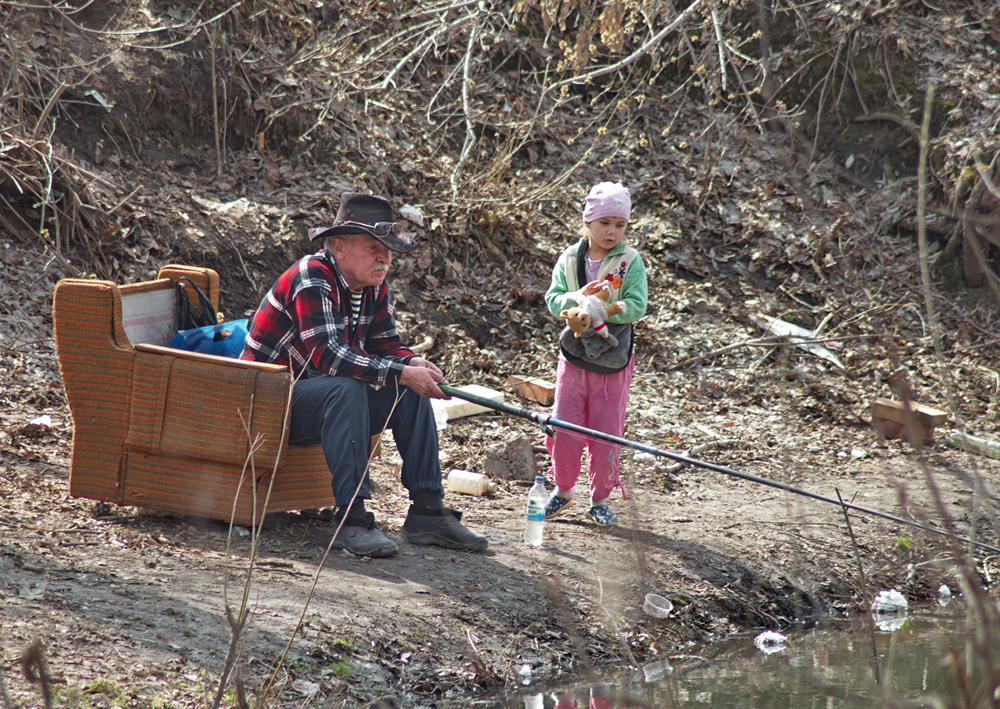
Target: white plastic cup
{"points": [[657, 606], [534, 701], [656, 670]]}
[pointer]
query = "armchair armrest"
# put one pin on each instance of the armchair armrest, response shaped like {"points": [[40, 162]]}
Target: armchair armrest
{"points": [[211, 359], [95, 362]]}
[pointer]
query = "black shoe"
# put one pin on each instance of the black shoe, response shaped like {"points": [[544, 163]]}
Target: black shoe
{"points": [[441, 528], [361, 537]]}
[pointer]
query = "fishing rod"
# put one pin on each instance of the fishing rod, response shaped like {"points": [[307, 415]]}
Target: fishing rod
{"points": [[545, 420]]}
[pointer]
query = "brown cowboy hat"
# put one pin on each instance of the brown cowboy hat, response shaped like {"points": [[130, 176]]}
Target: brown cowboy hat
{"points": [[367, 214]]}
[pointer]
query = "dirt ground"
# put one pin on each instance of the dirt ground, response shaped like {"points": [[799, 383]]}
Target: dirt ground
{"points": [[130, 606]]}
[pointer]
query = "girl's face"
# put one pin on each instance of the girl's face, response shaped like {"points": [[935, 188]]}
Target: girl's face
{"points": [[605, 234]]}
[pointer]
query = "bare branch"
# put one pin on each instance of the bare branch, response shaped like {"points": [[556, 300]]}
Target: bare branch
{"points": [[721, 44], [640, 52], [422, 47], [470, 129], [903, 122], [987, 182]]}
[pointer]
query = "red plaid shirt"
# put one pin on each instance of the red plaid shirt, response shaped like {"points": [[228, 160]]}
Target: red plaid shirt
{"points": [[304, 322]]}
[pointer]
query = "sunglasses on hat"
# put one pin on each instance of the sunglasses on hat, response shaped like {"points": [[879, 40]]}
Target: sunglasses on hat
{"points": [[379, 229]]}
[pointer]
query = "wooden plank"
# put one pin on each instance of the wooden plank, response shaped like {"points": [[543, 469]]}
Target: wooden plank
{"points": [[891, 410], [533, 389]]}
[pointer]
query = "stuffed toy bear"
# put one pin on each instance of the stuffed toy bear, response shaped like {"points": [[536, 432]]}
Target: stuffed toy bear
{"points": [[592, 311]]}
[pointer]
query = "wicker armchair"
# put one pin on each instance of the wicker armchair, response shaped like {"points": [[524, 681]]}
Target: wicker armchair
{"points": [[160, 428]]}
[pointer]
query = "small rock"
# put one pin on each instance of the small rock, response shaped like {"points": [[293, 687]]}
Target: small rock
{"points": [[510, 460]]}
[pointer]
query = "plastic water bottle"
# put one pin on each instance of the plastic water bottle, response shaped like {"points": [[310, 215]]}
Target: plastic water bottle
{"points": [[535, 515]]}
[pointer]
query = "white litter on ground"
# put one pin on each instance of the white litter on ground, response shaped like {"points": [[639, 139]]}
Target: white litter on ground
{"points": [[769, 642], [889, 611]]}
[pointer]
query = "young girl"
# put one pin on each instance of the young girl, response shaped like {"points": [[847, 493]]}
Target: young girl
{"points": [[594, 375]]}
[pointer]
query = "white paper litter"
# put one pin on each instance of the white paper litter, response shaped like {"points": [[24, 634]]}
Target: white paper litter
{"points": [[889, 602], [780, 328], [236, 209], [411, 214], [770, 642], [889, 611], [525, 673], [99, 97]]}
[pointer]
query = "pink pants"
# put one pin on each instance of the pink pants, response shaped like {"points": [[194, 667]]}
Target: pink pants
{"points": [[594, 401]]}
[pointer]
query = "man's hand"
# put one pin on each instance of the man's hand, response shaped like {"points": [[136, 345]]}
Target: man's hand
{"points": [[421, 362], [423, 377]]}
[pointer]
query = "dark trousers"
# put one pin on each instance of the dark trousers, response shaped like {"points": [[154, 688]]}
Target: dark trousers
{"points": [[342, 414]]}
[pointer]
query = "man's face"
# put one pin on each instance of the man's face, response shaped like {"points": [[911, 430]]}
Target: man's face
{"points": [[363, 260]]}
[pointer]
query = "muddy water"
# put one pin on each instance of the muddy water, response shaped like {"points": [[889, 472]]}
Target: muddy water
{"points": [[820, 669]]}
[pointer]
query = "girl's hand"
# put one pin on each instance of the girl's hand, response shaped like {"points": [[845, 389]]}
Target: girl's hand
{"points": [[593, 288]]}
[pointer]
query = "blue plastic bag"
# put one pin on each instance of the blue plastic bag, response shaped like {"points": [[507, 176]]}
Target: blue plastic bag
{"points": [[223, 340]]}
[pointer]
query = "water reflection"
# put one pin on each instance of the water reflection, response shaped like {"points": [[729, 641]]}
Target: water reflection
{"points": [[825, 669]]}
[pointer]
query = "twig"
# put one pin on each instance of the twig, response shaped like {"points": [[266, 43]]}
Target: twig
{"points": [[964, 219], [905, 123], [822, 94], [640, 52], [215, 106], [698, 450], [774, 341], [269, 684], [3, 689], [721, 44], [125, 199], [599, 602], [987, 182], [36, 670], [470, 130], [864, 587], [238, 621], [925, 275], [88, 173], [749, 100], [42, 119], [390, 78], [162, 28]]}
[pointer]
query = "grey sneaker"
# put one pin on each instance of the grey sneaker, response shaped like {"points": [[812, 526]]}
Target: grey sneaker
{"points": [[603, 515], [441, 528], [361, 537], [556, 505]]}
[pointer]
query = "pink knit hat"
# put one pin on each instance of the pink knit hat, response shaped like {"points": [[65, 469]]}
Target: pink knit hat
{"points": [[607, 199]]}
